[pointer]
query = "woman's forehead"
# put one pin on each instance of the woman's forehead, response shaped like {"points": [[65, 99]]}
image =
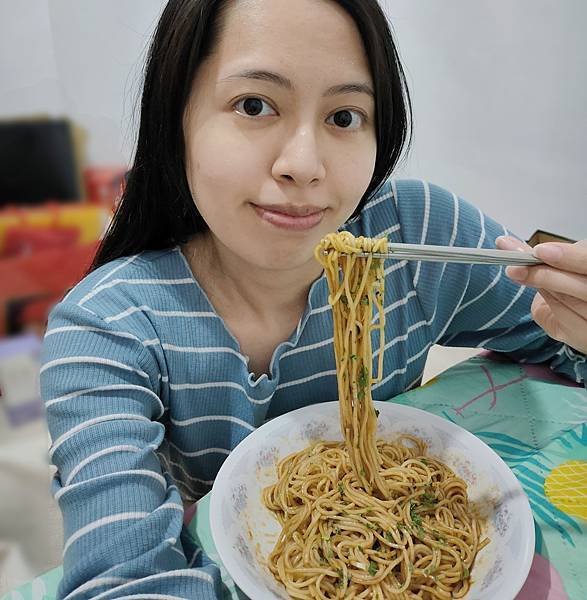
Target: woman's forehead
{"points": [[290, 34]]}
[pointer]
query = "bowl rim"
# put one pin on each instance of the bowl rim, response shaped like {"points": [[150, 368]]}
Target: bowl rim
{"points": [[232, 565]]}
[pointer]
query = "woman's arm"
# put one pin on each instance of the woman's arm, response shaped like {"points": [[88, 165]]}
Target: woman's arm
{"points": [[473, 305], [122, 514]]}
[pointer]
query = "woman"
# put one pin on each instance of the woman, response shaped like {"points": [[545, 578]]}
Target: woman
{"points": [[264, 125]]}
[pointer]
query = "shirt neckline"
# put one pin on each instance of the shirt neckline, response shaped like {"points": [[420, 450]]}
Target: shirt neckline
{"points": [[291, 342]]}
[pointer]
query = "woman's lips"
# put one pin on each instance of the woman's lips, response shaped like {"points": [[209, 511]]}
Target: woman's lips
{"points": [[285, 220]]}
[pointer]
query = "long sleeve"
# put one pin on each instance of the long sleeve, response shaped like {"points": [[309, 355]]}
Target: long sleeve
{"points": [[122, 513], [473, 305]]}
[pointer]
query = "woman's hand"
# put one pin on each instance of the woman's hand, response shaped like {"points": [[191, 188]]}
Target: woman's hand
{"points": [[560, 306]]}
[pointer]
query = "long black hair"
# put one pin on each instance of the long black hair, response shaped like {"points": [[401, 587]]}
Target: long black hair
{"points": [[157, 209]]}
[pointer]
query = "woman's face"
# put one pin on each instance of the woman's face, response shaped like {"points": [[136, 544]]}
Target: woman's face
{"points": [[279, 129]]}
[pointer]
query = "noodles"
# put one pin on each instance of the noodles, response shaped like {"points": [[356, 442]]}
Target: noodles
{"points": [[365, 518]]}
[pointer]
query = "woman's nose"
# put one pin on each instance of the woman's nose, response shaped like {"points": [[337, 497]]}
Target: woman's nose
{"points": [[300, 159]]}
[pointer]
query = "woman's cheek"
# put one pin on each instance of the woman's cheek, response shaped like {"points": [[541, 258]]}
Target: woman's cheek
{"points": [[222, 171], [354, 175]]}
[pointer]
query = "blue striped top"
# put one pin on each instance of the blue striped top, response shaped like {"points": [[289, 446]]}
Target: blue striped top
{"points": [[147, 391]]}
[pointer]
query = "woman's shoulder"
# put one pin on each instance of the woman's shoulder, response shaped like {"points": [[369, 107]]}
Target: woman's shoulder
{"points": [[403, 192], [408, 203], [129, 280], [399, 204]]}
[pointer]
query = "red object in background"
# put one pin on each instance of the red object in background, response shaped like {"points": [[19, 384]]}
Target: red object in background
{"points": [[104, 185], [25, 240], [31, 285]]}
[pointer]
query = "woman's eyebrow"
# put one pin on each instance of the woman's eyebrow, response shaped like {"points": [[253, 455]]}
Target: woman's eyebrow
{"points": [[280, 80]]}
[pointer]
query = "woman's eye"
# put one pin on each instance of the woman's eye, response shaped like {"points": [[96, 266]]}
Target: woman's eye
{"points": [[254, 107], [347, 119]]}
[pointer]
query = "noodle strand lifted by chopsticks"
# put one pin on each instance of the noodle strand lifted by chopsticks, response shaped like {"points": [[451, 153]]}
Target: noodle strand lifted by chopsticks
{"points": [[367, 518]]}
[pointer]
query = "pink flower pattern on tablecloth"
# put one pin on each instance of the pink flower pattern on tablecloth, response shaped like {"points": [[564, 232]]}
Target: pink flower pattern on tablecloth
{"points": [[543, 583]]}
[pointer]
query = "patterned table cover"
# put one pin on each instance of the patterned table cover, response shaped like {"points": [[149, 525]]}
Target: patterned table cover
{"points": [[535, 420]]}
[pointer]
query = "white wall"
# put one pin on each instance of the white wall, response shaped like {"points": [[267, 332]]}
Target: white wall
{"points": [[80, 58], [498, 88], [500, 105], [29, 82]]}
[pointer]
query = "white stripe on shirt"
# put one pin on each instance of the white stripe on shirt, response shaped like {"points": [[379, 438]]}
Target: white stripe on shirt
{"points": [[167, 460], [195, 555], [104, 419], [122, 334], [455, 221], [479, 296], [116, 518], [197, 453], [320, 309], [396, 304], [308, 347], [143, 596], [504, 311], [402, 337], [394, 192], [195, 573], [107, 388], [210, 350], [111, 450], [376, 201], [404, 369], [184, 314], [482, 343], [395, 266], [219, 384], [92, 457], [177, 551], [306, 379], [169, 506], [98, 582], [105, 286], [127, 473], [91, 360], [128, 261], [389, 230], [482, 225], [207, 418], [424, 227], [450, 319]]}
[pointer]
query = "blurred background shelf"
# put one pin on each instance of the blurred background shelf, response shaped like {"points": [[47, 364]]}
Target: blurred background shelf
{"points": [[54, 208]]}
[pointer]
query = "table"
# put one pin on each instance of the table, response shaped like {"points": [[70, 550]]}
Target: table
{"points": [[535, 420]]}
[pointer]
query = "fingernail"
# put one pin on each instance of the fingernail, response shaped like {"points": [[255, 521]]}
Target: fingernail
{"points": [[505, 242], [517, 273], [548, 252]]}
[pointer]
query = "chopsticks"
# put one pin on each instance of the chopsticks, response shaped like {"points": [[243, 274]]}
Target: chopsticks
{"points": [[450, 254]]}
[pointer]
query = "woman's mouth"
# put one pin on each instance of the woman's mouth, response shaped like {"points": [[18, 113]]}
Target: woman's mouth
{"points": [[293, 218]]}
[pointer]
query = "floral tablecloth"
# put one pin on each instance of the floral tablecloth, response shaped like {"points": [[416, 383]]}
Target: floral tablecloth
{"points": [[536, 421]]}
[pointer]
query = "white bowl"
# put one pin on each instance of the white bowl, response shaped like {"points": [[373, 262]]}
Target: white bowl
{"points": [[245, 532]]}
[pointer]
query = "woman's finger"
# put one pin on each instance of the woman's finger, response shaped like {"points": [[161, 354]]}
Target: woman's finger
{"points": [[569, 257], [508, 242], [559, 322], [550, 279], [574, 304]]}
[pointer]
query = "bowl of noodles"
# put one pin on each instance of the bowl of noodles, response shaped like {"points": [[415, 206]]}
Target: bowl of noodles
{"points": [[363, 499], [348, 542]]}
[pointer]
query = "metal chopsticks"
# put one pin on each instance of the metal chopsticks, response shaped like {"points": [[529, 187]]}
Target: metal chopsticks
{"points": [[452, 254]]}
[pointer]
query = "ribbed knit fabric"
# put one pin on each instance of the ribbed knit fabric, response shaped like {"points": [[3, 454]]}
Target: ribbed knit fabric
{"points": [[147, 392]]}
